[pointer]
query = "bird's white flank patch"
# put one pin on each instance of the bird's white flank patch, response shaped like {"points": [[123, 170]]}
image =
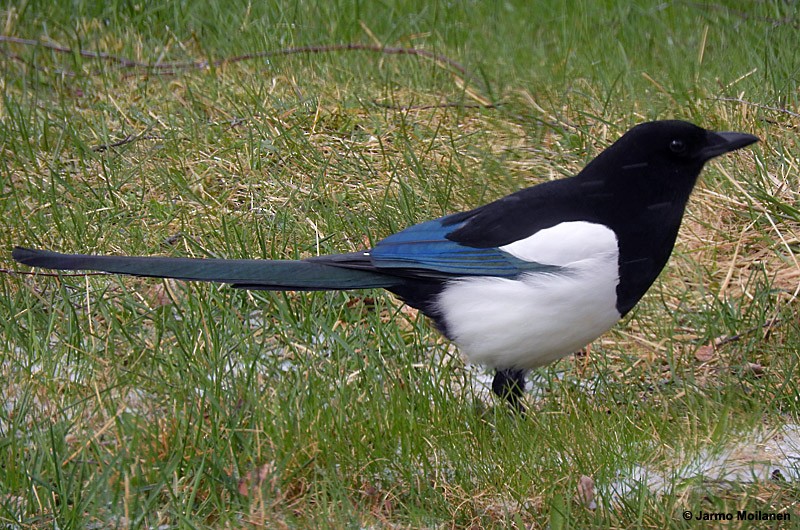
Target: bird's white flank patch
{"points": [[538, 317], [564, 243]]}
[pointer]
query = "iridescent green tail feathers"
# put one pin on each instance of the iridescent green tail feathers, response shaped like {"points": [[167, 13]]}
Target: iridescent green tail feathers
{"points": [[278, 275]]}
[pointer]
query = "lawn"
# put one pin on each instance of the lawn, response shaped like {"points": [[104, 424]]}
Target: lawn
{"points": [[290, 129]]}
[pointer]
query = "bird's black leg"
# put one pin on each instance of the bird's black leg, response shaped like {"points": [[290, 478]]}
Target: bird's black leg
{"points": [[509, 384]]}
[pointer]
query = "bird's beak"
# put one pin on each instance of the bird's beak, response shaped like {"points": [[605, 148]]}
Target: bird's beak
{"points": [[719, 143]]}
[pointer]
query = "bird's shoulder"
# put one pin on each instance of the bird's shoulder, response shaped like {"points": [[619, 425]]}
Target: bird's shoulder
{"points": [[494, 240], [520, 215]]}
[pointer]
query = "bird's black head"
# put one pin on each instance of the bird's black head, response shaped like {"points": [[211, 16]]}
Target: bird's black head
{"points": [[639, 187], [677, 143], [662, 159]]}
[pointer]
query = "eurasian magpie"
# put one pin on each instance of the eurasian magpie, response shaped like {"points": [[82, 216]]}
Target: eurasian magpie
{"points": [[516, 283]]}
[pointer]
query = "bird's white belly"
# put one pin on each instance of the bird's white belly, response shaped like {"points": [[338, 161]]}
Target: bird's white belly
{"points": [[535, 319]]}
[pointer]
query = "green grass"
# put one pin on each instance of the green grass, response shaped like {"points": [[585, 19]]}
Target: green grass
{"points": [[141, 403]]}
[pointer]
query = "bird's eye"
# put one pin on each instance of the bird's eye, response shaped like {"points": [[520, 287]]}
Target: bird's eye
{"points": [[677, 146]]}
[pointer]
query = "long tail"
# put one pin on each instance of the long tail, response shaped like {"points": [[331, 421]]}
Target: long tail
{"points": [[272, 275]]}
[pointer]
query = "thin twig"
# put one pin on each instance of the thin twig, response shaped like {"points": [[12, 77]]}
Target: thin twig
{"points": [[388, 50], [127, 140], [760, 106], [123, 61], [721, 341], [19, 59], [171, 67], [437, 106]]}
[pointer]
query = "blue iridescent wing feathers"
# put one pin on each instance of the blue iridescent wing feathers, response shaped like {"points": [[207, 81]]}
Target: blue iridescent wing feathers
{"points": [[425, 247]]}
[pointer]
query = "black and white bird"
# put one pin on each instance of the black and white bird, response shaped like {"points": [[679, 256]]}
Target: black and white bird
{"points": [[517, 283]]}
